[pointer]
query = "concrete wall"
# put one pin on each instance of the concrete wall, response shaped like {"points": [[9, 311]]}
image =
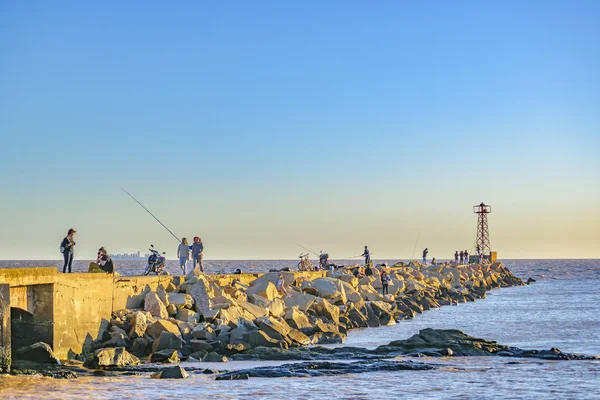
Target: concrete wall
{"points": [[32, 314], [82, 304], [5, 340]]}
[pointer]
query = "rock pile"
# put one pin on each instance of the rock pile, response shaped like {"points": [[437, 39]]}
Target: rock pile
{"points": [[204, 320]]}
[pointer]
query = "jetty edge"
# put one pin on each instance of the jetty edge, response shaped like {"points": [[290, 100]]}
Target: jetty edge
{"points": [[110, 322]]}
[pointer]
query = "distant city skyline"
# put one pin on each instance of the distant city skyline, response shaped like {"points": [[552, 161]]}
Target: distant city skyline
{"points": [[332, 125]]}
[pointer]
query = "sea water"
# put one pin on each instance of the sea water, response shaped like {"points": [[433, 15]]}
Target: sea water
{"points": [[562, 310]]}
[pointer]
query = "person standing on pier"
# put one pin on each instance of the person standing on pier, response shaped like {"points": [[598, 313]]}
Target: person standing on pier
{"points": [[456, 257], [197, 253], [367, 256], [462, 256], [466, 257], [385, 282], [425, 255], [183, 253], [67, 247]]}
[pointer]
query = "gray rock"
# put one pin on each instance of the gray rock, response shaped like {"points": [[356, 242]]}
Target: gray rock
{"points": [[154, 305], [167, 340], [138, 324], [111, 357], [214, 357], [200, 345], [165, 356], [39, 352], [199, 292], [175, 372]]}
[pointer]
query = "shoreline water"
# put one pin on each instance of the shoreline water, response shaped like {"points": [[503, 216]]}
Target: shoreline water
{"points": [[473, 367]]}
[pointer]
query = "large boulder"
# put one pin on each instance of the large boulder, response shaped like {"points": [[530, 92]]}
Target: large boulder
{"points": [[167, 340], [111, 357], [154, 305], [181, 300], [138, 324], [156, 328], [200, 293], [276, 307], [328, 310], [260, 338], [187, 315], [170, 356], [277, 330], [302, 301], [141, 347], [298, 320], [253, 309], [273, 277], [39, 352], [163, 295], [214, 357], [298, 337], [264, 289], [200, 345]]}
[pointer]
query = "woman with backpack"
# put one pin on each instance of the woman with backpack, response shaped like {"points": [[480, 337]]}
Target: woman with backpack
{"points": [[67, 247]]}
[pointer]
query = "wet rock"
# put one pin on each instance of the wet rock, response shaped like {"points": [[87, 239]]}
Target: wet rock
{"points": [[165, 356], [39, 352], [326, 368], [214, 357], [175, 372], [232, 377], [111, 357]]}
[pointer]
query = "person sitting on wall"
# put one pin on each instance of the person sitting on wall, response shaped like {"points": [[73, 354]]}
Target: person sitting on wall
{"points": [[368, 270], [103, 263]]}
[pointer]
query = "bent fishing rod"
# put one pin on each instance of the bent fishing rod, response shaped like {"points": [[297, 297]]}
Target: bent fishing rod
{"points": [[154, 216], [308, 250], [415, 248]]}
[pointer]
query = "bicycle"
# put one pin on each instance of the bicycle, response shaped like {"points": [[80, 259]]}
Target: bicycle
{"points": [[305, 264]]}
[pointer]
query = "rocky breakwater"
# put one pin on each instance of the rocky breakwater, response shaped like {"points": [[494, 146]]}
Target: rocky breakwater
{"points": [[210, 319]]}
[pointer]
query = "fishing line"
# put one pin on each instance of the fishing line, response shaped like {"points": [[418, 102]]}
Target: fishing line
{"points": [[164, 226]]}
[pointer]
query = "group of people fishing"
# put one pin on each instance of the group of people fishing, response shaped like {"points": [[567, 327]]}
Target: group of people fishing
{"points": [[103, 262], [461, 257], [194, 253]]}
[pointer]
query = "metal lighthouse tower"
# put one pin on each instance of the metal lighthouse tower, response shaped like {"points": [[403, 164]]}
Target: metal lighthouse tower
{"points": [[483, 233]]}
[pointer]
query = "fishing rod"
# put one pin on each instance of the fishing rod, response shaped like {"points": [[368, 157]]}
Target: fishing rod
{"points": [[415, 248], [164, 226], [308, 250]]}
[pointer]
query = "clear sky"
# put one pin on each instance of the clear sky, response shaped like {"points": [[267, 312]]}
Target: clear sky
{"points": [[258, 125]]}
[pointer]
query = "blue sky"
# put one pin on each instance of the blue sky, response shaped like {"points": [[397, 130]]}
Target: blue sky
{"points": [[336, 125]]}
